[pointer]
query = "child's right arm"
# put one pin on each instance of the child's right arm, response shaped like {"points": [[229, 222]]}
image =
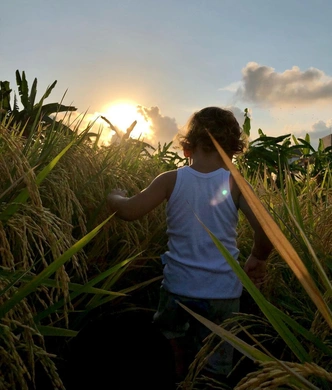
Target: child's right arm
{"points": [[145, 201]]}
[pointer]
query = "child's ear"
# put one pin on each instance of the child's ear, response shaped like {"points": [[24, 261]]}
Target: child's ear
{"points": [[187, 152]]}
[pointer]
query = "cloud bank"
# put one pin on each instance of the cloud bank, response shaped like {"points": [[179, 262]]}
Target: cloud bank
{"points": [[262, 85], [164, 128], [318, 130]]}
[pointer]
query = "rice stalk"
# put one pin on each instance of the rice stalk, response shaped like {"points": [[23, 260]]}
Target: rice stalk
{"points": [[273, 376], [21, 346]]}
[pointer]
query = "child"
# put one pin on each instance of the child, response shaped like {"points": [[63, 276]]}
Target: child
{"points": [[195, 273]]}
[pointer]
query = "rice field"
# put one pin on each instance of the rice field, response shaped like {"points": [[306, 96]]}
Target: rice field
{"points": [[65, 258]]}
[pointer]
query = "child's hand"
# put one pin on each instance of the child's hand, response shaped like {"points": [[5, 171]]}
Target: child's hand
{"points": [[256, 270]]}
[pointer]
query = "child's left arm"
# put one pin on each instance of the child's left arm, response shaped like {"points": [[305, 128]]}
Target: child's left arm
{"points": [[255, 265]]}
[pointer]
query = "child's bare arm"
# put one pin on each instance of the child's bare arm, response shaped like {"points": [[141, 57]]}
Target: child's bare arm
{"points": [[262, 245], [141, 204], [255, 265]]}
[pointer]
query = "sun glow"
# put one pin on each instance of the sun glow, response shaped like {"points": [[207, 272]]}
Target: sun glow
{"points": [[122, 115]]}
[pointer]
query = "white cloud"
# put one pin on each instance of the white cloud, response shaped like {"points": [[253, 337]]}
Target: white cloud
{"points": [[316, 131], [233, 87], [262, 85], [322, 128], [164, 128]]}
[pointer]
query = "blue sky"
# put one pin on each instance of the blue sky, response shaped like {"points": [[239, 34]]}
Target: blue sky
{"points": [[171, 58]]}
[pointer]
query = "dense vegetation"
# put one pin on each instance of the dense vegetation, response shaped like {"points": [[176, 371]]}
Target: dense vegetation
{"points": [[64, 258]]}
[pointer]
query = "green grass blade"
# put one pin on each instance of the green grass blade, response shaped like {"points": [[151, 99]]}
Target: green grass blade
{"points": [[266, 307], [48, 271], [20, 275], [277, 238], [53, 331], [58, 305], [24, 194], [243, 347], [304, 332], [250, 351], [111, 277], [324, 277], [15, 277], [127, 290]]}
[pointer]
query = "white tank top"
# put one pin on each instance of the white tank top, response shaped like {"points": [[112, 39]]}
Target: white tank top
{"points": [[194, 267]]}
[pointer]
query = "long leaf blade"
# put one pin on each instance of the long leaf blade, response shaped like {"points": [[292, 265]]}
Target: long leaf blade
{"points": [[250, 351], [23, 196], [266, 307], [277, 238], [76, 293], [54, 331], [48, 271]]}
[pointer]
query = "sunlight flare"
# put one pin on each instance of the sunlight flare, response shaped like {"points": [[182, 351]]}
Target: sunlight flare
{"points": [[123, 114]]}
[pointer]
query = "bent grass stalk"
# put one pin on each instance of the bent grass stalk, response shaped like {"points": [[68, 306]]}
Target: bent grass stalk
{"points": [[87, 288], [250, 351], [277, 238], [280, 321]]}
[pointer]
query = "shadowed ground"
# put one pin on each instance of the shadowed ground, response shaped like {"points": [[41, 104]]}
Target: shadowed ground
{"points": [[120, 352]]}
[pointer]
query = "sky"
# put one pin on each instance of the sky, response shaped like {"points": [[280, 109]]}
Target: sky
{"points": [[158, 62]]}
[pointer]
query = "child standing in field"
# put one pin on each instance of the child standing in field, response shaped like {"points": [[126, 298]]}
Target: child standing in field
{"points": [[195, 273]]}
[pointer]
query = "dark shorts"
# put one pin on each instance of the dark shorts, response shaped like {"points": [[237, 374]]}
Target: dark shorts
{"points": [[175, 322]]}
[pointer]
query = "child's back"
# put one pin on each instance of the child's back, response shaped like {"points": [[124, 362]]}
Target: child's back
{"points": [[194, 267]]}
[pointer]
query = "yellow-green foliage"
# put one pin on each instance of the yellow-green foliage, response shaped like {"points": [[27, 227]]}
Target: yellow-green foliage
{"points": [[68, 203], [298, 286]]}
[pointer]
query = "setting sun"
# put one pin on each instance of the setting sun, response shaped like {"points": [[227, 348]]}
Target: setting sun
{"points": [[122, 115]]}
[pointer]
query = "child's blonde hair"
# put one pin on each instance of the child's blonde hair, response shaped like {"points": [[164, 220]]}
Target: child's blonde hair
{"points": [[221, 124]]}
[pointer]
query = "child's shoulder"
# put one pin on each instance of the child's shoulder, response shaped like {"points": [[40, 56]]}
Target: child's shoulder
{"points": [[168, 175], [167, 180]]}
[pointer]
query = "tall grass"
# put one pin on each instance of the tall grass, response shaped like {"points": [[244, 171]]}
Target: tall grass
{"points": [[293, 347], [62, 255]]}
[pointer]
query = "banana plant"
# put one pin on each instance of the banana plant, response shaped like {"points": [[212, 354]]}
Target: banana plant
{"points": [[31, 111], [4, 99], [267, 155], [316, 162]]}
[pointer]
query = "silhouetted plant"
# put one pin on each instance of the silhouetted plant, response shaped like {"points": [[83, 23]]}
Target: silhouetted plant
{"points": [[31, 112]]}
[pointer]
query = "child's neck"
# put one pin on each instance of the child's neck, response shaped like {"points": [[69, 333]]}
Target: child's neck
{"points": [[206, 162]]}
